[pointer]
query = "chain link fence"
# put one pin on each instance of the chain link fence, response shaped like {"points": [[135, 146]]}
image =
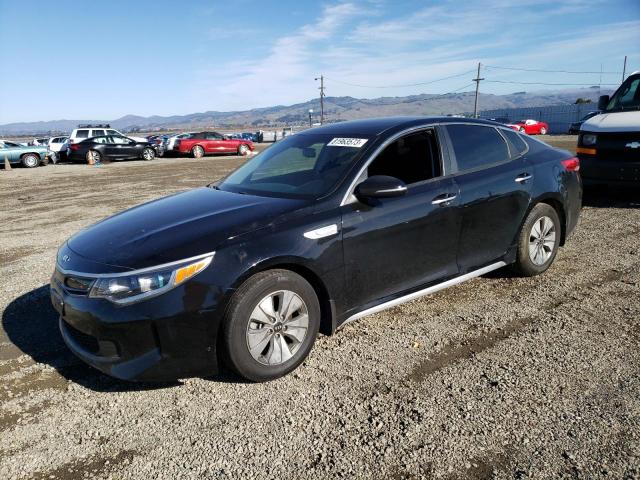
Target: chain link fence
{"points": [[559, 117]]}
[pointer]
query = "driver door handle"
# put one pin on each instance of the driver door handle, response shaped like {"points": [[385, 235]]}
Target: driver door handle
{"points": [[444, 198], [523, 177]]}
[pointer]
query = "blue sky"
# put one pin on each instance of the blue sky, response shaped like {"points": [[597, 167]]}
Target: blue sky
{"points": [[101, 60]]}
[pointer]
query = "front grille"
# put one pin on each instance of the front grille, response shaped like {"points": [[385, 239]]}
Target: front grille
{"points": [[87, 342], [613, 146], [90, 344]]}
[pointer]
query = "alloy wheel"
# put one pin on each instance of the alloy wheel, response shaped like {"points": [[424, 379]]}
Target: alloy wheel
{"points": [[277, 327], [542, 240], [30, 161]]}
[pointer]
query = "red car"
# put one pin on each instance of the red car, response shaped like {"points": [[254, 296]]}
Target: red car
{"points": [[530, 127], [201, 143]]}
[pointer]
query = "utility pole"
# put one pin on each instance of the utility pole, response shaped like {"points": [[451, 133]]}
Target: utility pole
{"points": [[321, 78], [624, 68], [477, 80]]}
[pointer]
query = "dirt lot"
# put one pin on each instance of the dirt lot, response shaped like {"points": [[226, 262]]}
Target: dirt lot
{"points": [[496, 378]]}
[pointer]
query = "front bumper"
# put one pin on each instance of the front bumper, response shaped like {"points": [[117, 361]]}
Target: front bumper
{"points": [[160, 339], [615, 172]]}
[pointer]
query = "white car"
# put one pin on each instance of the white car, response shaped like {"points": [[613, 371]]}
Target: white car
{"points": [[58, 146], [170, 143], [89, 131]]}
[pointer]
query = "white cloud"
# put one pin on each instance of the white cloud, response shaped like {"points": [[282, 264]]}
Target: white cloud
{"points": [[356, 43]]}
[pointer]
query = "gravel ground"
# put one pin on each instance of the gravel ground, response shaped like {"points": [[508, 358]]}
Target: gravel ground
{"points": [[499, 377]]}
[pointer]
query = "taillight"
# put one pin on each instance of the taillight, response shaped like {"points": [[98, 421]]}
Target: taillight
{"points": [[74, 146], [571, 164]]}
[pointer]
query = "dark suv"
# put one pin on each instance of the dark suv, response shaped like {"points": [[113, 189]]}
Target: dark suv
{"points": [[324, 227]]}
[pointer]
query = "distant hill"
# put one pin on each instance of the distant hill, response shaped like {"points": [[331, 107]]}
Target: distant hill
{"points": [[336, 109]]}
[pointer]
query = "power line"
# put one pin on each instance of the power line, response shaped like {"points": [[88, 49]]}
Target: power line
{"points": [[552, 84], [549, 71], [399, 86]]}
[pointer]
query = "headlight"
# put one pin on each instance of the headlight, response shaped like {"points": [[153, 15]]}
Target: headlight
{"points": [[130, 288], [589, 139]]}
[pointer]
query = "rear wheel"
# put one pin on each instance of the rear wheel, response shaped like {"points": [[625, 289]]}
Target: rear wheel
{"points": [[93, 156], [538, 241], [197, 151], [148, 154], [522, 130], [270, 325], [243, 150], [30, 160]]}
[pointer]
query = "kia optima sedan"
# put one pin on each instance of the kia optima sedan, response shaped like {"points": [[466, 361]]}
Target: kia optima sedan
{"points": [[322, 228]]}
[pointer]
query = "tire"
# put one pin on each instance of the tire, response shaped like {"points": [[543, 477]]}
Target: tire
{"points": [[536, 252], [30, 160], [543, 131], [522, 130], [246, 325], [197, 151], [93, 157], [243, 150], [148, 154]]}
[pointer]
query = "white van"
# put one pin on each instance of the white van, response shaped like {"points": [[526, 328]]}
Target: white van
{"points": [[609, 143]]}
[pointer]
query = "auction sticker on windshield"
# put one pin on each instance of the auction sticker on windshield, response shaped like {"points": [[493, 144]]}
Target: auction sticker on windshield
{"points": [[347, 142]]}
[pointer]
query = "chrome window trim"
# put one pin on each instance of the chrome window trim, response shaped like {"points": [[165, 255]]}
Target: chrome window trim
{"points": [[134, 272], [349, 196], [425, 291]]}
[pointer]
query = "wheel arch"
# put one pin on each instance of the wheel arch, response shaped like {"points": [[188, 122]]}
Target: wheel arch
{"points": [[22, 155], [299, 266]]}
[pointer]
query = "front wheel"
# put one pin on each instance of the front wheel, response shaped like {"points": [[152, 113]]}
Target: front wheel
{"points": [[538, 241], [522, 130], [30, 160], [148, 154], [270, 325], [543, 131]]}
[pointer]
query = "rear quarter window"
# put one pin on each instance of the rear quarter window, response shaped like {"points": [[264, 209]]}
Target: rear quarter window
{"points": [[82, 134], [476, 146], [516, 143]]}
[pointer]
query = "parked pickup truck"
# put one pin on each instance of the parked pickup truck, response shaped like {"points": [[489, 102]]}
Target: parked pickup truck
{"points": [[202, 143]]}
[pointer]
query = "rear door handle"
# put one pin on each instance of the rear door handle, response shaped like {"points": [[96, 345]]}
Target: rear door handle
{"points": [[523, 177], [444, 198]]}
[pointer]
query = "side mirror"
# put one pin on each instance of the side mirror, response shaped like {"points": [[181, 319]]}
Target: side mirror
{"points": [[380, 186], [603, 101]]}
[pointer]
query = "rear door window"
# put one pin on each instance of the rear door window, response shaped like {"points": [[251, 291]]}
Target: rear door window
{"points": [[477, 146], [97, 133], [82, 134]]}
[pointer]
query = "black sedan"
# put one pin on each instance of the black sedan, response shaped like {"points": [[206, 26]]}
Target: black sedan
{"points": [[324, 227], [113, 147]]}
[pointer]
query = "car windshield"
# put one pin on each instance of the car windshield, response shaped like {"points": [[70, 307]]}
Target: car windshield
{"points": [[300, 166], [627, 97]]}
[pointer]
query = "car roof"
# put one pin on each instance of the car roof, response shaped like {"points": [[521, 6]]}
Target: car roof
{"points": [[377, 126]]}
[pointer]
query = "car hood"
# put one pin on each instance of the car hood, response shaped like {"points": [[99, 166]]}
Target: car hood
{"points": [[613, 122], [176, 227]]}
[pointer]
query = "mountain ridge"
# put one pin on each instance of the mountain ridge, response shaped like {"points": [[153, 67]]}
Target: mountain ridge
{"points": [[336, 109]]}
